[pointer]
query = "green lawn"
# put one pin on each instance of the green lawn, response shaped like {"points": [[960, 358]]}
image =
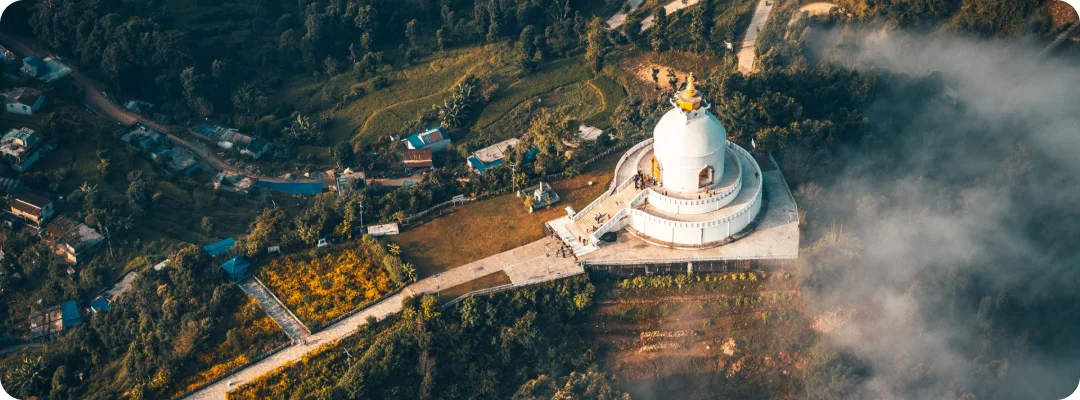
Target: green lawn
{"points": [[547, 77], [495, 225], [382, 112]]}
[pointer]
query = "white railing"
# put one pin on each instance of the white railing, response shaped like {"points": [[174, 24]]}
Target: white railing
{"points": [[701, 224], [622, 160]]}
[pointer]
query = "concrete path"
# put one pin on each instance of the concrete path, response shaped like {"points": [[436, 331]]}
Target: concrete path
{"points": [[757, 23], [671, 7], [529, 263], [620, 17], [1060, 38], [270, 304]]}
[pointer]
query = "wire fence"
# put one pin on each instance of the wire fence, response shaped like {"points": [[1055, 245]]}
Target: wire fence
{"points": [[233, 370], [503, 288]]}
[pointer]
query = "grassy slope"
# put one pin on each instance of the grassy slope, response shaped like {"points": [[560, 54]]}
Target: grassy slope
{"points": [[495, 225]]}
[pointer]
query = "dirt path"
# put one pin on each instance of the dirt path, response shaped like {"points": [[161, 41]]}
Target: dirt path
{"points": [[819, 8], [757, 23]]}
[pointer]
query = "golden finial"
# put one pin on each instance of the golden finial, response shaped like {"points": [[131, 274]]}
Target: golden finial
{"points": [[690, 90]]}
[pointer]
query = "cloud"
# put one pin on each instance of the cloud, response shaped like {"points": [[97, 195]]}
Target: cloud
{"points": [[960, 196]]}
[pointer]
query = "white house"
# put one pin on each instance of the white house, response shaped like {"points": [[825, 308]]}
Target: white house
{"points": [[25, 101]]}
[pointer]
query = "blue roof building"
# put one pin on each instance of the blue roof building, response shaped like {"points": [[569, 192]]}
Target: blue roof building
{"points": [[236, 268], [69, 314], [433, 139], [100, 304], [221, 247], [296, 188]]}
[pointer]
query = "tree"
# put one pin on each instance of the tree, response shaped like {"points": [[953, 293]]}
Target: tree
{"points": [[441, 39], [303, 131], [207, 225], [412, 33], [658, 35], [343, 155], [597, 45]]}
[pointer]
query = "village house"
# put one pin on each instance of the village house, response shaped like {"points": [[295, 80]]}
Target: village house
{"points": [[232, 182], [9, 60], [432, 139], [142, 136], [418, 159], [236, 268], [255, 148], [71, 240], [19, 148], [491, 156], [24, 101], [229, 138], [47, 70], [33, 208]]}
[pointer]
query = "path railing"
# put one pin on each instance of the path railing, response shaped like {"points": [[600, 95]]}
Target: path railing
{"points": [[233, 370], [508, 286], [280, 303]]}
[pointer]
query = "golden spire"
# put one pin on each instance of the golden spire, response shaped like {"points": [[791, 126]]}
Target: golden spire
{"points": [[688, 99]]}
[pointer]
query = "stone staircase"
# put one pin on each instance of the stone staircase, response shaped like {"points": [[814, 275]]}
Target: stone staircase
{"points": [[292, 327], [569, 233], [609, 206]]}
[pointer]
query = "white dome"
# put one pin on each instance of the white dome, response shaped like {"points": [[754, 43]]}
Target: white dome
{"points": [[689, 147], [675, 137]]}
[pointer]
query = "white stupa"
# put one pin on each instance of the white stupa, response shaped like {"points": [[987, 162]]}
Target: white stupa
{"points": [[685, 188]]}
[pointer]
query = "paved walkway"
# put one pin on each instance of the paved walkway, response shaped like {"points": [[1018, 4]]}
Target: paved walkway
{"points": [[285, 319], [620, 17], [757, 23], [532, 263]]}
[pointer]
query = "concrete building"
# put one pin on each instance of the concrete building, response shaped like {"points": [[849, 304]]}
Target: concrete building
{"points": [[19, 147], [491, 156], [686, 195], [24, 101], [72, 241], [33, 208], [142, 136], [47, 70]]}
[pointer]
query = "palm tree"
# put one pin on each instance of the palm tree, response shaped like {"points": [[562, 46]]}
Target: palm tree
{"points": [[27, 377]]}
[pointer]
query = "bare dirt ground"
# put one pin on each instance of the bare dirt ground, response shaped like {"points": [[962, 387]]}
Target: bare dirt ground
{"points": [[704, 344], [819, 8]]}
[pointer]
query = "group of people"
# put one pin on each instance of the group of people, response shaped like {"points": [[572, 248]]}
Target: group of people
{"points": [[642, 181]]}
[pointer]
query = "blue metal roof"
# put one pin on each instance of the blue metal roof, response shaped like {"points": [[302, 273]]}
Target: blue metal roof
{"points": [[203, 129], [301, 188], [220, 247], [480, 166], [100, 304], [236, 265], [69, 314]]}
